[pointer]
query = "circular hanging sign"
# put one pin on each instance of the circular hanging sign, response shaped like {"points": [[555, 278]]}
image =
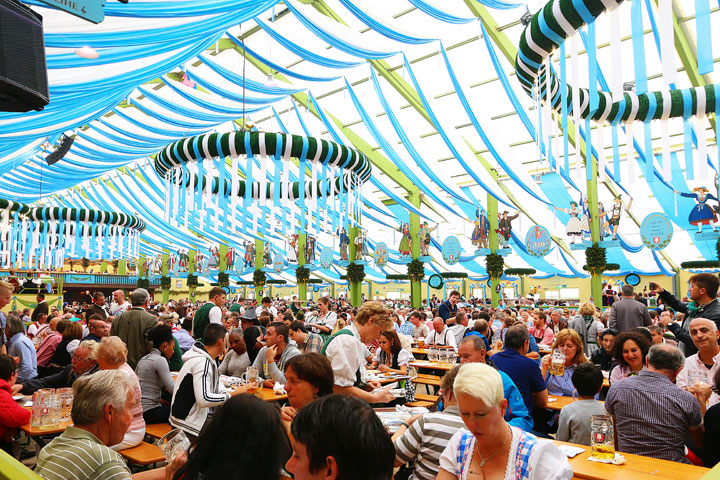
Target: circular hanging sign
{"points": [[632, 279], [656, 231], [436, 281], [538, 241], [381, 254], [489, 282], [278, 263], [326, 257], [451, 250]]}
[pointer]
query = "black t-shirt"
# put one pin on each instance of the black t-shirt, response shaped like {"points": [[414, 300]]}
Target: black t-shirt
{"points": [[711, 445]]}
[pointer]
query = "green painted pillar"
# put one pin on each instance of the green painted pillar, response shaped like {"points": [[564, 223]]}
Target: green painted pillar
{"points": [[166, 291], [60, 286], [141, 267], [355, 287], [592, 188], [494, 243], [302, 287], [415, 285], [522, 286], [103, 266], [122, 267], [191, 269], [259, 250], [222, 261], [370, 286], [332, 289]]}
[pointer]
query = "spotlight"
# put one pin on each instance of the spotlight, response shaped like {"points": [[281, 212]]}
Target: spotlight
{"points": [[526, 18], [61, 150], [629, 86]]}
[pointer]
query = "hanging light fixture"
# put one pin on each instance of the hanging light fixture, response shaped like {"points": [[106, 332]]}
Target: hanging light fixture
{"points": [[270, 81], [87, 52]]}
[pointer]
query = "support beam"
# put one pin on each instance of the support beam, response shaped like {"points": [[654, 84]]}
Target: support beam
{"points": [[164, 269], [494, 244], [415, 285], [191, 270], [302, 287], [355, 287], [259, 264]]}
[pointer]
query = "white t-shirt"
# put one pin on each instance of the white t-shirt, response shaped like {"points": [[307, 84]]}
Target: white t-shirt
{"points": [[123, 307], [215, 315], [546, 461], [695, 370], [347, 355]]}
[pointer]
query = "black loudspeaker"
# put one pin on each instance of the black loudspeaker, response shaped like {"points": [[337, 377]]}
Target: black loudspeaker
{"points": [[64, 146], [23, 71]]}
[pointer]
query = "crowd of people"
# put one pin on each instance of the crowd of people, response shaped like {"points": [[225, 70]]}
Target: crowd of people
{"points": [[120, 359]]}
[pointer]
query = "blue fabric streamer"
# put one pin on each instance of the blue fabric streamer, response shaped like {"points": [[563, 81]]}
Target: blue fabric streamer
{"points": [[438, 14], [704, 37], [380, 27], [564, 107]]}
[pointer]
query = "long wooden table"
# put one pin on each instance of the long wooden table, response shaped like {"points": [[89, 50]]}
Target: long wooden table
{"points": [[635, 467], [558, 402], [432, 365]]}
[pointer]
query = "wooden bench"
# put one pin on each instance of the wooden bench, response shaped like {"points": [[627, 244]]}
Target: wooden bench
{"points": [[422, 397], [420, 404], [143, 454], [427, 380], [157, 430]]}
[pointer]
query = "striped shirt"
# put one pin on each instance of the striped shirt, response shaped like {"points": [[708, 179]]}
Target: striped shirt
{"points": [[425, 441], [79, 455]]}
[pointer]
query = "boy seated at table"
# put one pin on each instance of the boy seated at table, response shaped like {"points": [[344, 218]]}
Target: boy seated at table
{"points": [[12, 415], [574, 420]]}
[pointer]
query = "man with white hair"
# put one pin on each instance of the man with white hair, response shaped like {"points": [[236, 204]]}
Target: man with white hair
{"points": [[101, 413], [701, 367]]}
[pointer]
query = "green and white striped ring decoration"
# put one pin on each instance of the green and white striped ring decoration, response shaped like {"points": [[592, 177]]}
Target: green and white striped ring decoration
{"points": [[562, 17], [232, 144], [73, 214]]}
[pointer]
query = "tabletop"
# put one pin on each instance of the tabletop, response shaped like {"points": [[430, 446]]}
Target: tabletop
{"points": [[635, 467], [433, 365], [556, 402]]}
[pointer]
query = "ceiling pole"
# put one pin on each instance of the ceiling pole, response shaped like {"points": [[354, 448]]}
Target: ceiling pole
{"points": [[415, 285], [509, 50]]}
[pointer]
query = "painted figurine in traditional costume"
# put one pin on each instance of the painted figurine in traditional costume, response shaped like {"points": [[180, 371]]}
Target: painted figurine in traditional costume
{"points": [[344, 244], [360, 246], [292, 251], [184, 259], [405, 247], [702, 213], [249, 254], [479, 236], [574, 227], [267, 254], [310, 249], [424, 236], [199, 262], [504, 230], [215, 252], [612, 224]]}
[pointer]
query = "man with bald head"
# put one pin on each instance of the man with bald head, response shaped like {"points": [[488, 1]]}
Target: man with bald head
{"points": [[441, 335], [702, 366]]}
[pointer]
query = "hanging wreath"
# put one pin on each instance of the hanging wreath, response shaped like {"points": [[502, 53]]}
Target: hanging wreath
{"points": [[596, 262], [314, 281], [302, 275], [276, 282], [416, 270], [165, 282], [245, 282], [494, 265], [143, 283], [397, 277], [192, 280], [223, 279], [259, 278], [356, 272], [520, 271], [449, 275], [700, 264]]}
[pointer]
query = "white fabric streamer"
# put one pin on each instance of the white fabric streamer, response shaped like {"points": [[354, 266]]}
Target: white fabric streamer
{"points": [[600, 138], [667, 40], [701, 157], [666, 159], [575, 67], [630, 153], [616, 71]]}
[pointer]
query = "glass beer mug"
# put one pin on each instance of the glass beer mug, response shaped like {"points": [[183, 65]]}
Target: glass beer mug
{"points": [[602, 439], [252, 379], [557, 363]]}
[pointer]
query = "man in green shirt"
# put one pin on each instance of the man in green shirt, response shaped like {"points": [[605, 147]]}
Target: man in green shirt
{"points": [[133, 325], [101, 412], [209, 313]]}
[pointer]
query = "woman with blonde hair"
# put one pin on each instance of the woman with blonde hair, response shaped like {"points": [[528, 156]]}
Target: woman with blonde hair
{"points": [[587, 325], [346, 352], [488, 447], [112, 355]]}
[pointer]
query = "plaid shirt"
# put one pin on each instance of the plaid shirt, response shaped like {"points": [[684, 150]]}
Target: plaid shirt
{"points": [[652, 415], [313, 344], [406, 329]]}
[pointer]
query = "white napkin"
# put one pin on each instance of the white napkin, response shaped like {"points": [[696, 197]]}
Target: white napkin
{"points": [[618, 460], [570, 451]]}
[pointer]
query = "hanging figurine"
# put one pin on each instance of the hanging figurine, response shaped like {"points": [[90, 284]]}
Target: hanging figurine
{"points": [[310, 249], [172, 262], [574, 225], [611, 225], [344, 244], [199, 262], [702, 213], [424, 236], [405, 247], [479, 236], [249, 254], [360, 246], [292, 251], [230, 258], [184, 259], [215, 261], [504, 230], [585, 218], [267, 254]]}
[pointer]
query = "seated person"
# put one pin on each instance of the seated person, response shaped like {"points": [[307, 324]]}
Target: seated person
{"points": [[12, 415], [335, 437], [97, 328], [421, 436], [20, 346], [71, 336], [236, 360], [112, 355], [307, 377], [84, 362], [101, 413], [441, 335], [184, 336], [574, 419], [198, 387], [603, 356], [271, 359], [630, 350], [49, 344], [495, 445], [153, 373], [231, 446], [306, 342]]}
